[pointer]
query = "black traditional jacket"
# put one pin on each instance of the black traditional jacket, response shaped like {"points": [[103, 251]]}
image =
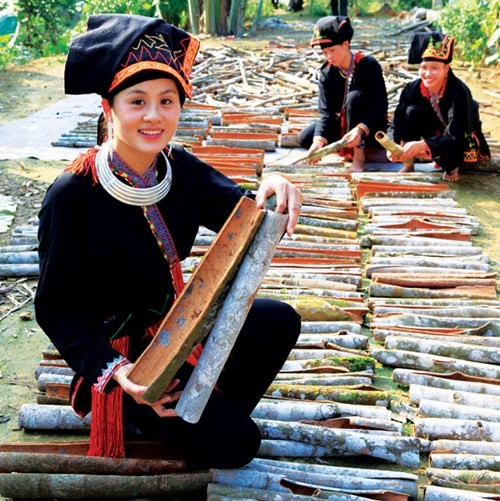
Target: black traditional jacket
{"points": [[368, 79], [102, 273]]}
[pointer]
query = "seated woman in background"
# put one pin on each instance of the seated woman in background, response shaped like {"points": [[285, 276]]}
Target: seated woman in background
{"points": [[436, 117], [352, 101]]}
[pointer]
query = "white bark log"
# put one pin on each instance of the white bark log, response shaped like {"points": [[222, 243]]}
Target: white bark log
{"points": [[455, 350], [472, 312], [343, 339], [297, 410], [466, 446], [435, 493], [465, 461], [51, 417], [382, 334], [329, 327], [432, 363], [418, 393], [407, 377], [457, 429], [425, 250], [444, 410], [401, 450], [478, 480]]}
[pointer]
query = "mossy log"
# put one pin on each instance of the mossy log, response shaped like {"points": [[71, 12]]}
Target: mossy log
{"points": [[438, 311], [432, 363], [419, 392], [478, 480], [291, 449], [382, 334], [308, 283], [20, 462], [313, 309], [360, 423], [330, 380], [444, 410], [435, 493], [454, 381], [75, 486], [443, 263], [454, 350], [404, 451], [297, 410], [457, 429], [351, 363], [465, 461], [311, 353], [342, 395]]}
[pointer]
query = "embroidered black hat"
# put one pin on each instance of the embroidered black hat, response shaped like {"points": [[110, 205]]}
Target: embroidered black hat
{"points": [[431, 47], [116, 47], [332, 30]]}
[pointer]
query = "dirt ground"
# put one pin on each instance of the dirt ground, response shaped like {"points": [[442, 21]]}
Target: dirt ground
{"points": [[30, 88]]}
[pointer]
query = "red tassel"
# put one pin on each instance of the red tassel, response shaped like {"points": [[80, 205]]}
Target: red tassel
{"points": [[106, 427], [85, 163]]}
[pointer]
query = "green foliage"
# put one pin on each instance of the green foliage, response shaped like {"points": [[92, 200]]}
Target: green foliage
{"points": [[40, 24], [472, 23]]}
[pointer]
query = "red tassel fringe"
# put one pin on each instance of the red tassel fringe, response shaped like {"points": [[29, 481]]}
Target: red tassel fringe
{"points": [[106, 427], [84, 164]]}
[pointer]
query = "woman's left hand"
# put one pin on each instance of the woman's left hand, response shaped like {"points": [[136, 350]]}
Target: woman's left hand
{"points": [[288, 197]]}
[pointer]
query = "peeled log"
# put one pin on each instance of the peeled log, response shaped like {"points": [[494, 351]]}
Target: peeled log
{"points": [[453, 381], [233, 492], [72, 486], [465, 461], [401, 450], [443, 410], [435, 493], [470, 291], [457, 429], [418, 392], [478, 480], [433, 363], [297, 410]]}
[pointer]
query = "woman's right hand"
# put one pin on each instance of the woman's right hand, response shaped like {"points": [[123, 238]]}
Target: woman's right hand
{"points": [[136, 391]]}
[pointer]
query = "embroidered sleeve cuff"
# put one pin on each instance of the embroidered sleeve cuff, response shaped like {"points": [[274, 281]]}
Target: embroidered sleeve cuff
{"points": [[108, 372]]}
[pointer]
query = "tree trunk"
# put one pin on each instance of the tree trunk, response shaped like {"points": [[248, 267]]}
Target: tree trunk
{"points": [[74, 486]]}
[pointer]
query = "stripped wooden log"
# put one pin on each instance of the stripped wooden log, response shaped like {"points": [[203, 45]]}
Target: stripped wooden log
{"points": [[224, 492], [401, 450], [457, 429], [455, 381], [438, 281], [417, 393], [311, 353], [470, 291], [296, 410], [344, 363], [465, 461], [479, 480], [331, 380], [448, 349], [75, 486], [231, 317], [330, 326], [438, 250], [25, 462], [473, 312], [359, 423], [383, 334], [291, 449], [342, 338], [432, 363]]}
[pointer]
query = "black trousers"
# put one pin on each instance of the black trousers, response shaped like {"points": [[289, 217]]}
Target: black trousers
{"points": [[225, 436], [335, 7], [417, 125], [355, 105]]}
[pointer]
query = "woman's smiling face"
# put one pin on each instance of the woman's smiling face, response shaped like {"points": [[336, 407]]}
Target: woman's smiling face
{"points": [[144, 119], [433, 74]]}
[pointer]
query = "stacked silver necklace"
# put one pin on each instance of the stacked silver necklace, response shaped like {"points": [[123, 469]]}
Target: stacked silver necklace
{"points": [[123, 192]]}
